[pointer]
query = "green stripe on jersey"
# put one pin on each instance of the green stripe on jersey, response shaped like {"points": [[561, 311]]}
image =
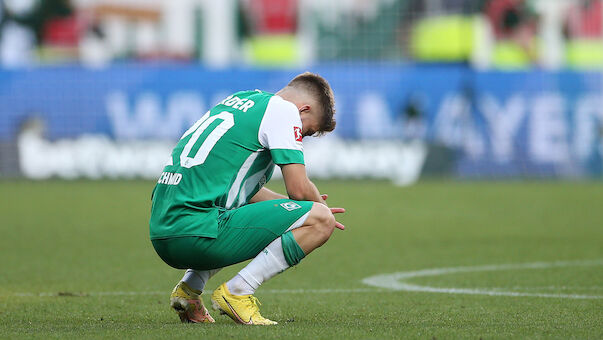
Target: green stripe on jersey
{"points": [[285, 156]]}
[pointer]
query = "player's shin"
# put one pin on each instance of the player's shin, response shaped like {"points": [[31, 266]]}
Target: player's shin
{"points": [[274, 259]]}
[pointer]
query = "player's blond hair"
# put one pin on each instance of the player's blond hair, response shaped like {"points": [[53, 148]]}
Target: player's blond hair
{"points": [[318, 87]]}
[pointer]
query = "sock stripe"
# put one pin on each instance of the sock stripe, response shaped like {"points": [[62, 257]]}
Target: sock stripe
{"points": [[292, 251]]}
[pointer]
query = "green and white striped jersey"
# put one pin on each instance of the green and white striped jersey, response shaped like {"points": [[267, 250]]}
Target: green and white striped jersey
{"points": [[222, 161]]}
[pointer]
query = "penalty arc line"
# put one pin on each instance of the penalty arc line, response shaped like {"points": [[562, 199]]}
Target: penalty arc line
{"points": [[396, 281], [387, 283]]}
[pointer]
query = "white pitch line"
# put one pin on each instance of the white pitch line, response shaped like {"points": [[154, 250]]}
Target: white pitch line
{"points": [[546, 288], [396, 281], [266, 291], [387, 283], [325, 291]]}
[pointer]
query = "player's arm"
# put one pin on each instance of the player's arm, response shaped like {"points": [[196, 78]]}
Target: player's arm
{"points": [[299, 187], [265, 194], [280, 132]]}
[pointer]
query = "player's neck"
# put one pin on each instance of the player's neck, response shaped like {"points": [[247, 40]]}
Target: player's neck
{"points": [[294, 95]]}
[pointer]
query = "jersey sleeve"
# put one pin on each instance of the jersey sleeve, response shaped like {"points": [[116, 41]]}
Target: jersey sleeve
{"points": [[280, 132]]}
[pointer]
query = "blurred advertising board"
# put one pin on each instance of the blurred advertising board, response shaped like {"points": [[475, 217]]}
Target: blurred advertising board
{"points": [[490, 124]]}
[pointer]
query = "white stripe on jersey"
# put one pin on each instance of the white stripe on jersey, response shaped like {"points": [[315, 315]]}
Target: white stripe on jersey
{"points": [[251, 182], [236, 186]]}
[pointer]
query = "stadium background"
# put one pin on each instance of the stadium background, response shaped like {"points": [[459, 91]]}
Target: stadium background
{"points": [[492, 109], [485, 89]]}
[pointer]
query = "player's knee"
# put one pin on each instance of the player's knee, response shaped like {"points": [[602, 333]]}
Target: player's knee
{"points": [[325, 221], [322, 214]]}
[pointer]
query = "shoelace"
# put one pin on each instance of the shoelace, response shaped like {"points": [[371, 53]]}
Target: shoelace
{"points": [[256, 303]]}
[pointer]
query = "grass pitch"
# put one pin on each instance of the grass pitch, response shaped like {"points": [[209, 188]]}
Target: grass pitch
{"points": [[76, 262]]}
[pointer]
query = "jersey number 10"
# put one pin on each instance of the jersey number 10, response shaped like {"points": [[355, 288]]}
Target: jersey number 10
{"points": [[188, 161]]}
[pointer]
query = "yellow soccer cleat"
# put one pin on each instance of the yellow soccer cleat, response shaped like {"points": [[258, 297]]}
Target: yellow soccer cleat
{"points": [[243, 309], [188, 304]]}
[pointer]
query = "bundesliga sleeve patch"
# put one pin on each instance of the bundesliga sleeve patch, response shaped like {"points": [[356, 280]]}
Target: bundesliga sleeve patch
{"points": [[297, 133]]}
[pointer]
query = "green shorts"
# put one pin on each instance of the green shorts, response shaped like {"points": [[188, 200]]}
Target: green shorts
{"points": [[242, 234]]}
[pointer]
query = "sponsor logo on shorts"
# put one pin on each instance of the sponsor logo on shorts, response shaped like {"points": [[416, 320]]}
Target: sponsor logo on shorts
{"points": [[290, 206]]}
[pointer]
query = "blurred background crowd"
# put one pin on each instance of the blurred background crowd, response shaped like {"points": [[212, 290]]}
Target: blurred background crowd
{"points": [[488, 34]]}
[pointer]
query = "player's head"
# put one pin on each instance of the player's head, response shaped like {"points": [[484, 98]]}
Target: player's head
{"points": [[313, 97]]}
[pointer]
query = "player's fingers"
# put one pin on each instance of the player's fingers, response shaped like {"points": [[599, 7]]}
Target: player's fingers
{"points": [[337, 210], [339, 225], [324, 196]]}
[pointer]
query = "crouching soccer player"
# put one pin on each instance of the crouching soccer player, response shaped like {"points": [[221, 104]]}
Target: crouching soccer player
{"points": [[210, 209]]}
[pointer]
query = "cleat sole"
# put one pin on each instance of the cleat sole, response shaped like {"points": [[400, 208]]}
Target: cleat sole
{"points": [[186, 311]]}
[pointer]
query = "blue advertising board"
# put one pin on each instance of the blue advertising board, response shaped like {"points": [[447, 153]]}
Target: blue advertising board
{"points": [[532, 123]]}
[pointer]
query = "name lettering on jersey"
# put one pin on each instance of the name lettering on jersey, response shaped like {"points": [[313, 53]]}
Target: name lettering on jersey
{"points": [[238, 103], [169, 178]]}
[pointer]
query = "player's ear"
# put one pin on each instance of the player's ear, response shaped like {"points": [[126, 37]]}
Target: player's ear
{"points": [[304, 108]]}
